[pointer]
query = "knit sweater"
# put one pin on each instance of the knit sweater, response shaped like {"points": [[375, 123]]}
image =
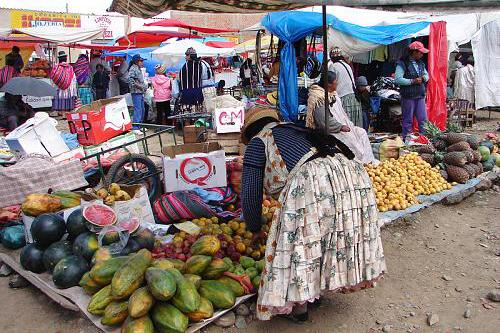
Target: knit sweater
{"points": [[292, 145]]}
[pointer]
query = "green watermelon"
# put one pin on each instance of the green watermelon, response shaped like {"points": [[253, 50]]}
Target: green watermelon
{"points": [[68, 271], [85, 245], [145, 238], [75, 224], [47, 229], [56, 252], [32, 258], [13, 237]]}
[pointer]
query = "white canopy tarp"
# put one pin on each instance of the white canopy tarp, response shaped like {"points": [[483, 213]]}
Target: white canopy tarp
{"points": [[173, 52], [486, 50], [59, 35]]}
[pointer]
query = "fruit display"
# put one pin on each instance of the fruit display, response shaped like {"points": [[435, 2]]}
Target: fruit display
{"points": [[460, 156], [141, 292], [113, 193], [234, 172], [397, 183]]}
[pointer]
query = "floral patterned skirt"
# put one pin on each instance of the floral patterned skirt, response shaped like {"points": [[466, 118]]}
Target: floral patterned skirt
{"points": [[325, 236]]}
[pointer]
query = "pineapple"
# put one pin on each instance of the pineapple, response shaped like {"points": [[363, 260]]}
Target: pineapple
{"points": [[459, 146], [477, 156], [429, 158], [432, 132], [444, 174], [471, 170], [452, 138], [479, 167], [470, 155], [440, 145], [457, 174], [426, 149], [455, 158], [473, 141]]}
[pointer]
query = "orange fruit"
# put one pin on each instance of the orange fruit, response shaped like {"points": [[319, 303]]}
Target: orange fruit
{"points": [[240, 247]]}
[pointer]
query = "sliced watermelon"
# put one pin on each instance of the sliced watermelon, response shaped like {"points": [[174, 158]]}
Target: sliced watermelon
{"points": [[98, 216], [131, 225]]}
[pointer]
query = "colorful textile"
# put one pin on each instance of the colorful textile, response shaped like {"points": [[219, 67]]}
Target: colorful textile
{"points": [[353, 109], [62, 75], [85, 94], [82, 69], [325, 236], [7, 73], [180, 205]]}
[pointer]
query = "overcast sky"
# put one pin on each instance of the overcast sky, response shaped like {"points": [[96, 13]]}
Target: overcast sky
{"points": [[75, 6]]}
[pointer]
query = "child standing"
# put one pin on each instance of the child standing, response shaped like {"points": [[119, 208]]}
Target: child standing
{"points": [[100, 83], [162, 93]]}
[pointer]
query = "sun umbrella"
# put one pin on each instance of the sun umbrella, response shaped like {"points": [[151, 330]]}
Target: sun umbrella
{"points": [[28, 86]]}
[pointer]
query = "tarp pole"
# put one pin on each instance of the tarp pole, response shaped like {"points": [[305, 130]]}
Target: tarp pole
{"points": [[324, 71]]}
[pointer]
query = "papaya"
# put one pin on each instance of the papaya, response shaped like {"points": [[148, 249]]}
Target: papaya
{"points": [[251, 272], [102, 254], [256, 282], [195, 279], [38, 203], [204, 311], [140, 325], [197, 264], [89, 285], [123, 329], [247, 262], [229, 263], [130, 276], [162, 264], [103, 271], [233, 285], [140, 303], [178, 264], [215, 269], [186, 297], [260, 265], [68, 199], [175, 274], [216, 292], [100, 301], [115, 313], [161, 283], [167, 318], [207, 245]]}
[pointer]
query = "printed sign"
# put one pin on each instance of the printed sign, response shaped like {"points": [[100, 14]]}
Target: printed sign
{"points": [[31, 19], [114, 26], [229, 120]]}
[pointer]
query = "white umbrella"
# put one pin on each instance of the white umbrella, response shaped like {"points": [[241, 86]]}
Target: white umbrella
{"points": [[174, 52]]}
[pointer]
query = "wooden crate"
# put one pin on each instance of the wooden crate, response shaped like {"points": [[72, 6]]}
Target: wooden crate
{"points": [[230, 142], [191, 133]]}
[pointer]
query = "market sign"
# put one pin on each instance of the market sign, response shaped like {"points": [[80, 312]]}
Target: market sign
{"points": [[114, 26], [229, 120], [32, 19]]}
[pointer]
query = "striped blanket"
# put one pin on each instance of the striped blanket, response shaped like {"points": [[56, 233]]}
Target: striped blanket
{"points": [[62, 74]]}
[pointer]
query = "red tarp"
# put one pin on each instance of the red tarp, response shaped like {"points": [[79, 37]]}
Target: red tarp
{"points": [[220, 45], [438, 68], [142, 38], [110, 48], [178, 24]]}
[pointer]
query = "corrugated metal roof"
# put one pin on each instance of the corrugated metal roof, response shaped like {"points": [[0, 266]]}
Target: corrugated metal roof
{"points": [[150, 8]]}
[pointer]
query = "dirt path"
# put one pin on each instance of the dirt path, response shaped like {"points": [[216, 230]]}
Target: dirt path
{"points": [[458, 242]]}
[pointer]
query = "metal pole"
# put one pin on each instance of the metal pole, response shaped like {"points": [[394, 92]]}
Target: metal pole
{"points": [[324, 72]]}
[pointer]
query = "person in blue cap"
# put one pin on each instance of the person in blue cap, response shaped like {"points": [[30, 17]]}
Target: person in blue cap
{"points": [[137, 88]]}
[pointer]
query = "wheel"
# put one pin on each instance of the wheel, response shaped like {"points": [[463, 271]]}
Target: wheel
{"points": [[136, 169], [202, 137]]}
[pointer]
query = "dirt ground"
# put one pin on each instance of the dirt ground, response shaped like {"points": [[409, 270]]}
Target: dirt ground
{"points": [[440, 261]]}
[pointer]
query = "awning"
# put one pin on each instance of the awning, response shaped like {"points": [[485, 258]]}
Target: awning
{"points": [[150, 8], [220, 45], [60, 34], [179, 24], [249, 45], [144, 38], [101, 47], [174, 52]]}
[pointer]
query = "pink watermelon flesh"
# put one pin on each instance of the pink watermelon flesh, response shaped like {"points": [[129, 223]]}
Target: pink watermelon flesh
{"points": [[130, 225], [99, 215]]}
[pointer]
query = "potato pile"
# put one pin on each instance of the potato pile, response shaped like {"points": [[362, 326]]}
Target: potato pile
{"points": [[397, 183]]}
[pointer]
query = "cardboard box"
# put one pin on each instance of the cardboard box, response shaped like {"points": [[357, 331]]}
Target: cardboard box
{"points": [[74, 154], [139, 206], [191, 133], [38, 135], [229, 120], [100, 121], [194, 165], [113, 143]]}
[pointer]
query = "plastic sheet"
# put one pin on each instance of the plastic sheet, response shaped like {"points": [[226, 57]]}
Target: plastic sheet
{"points": [[438, 69]]}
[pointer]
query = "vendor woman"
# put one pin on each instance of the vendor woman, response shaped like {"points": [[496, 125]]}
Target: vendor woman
{"points": [[339, 124], [325, 235]]}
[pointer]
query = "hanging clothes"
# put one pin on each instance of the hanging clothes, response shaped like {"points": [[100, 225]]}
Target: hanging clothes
{"points": [[380, 53]]}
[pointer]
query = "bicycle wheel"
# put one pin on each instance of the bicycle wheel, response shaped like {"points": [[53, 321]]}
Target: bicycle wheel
{"points": [[136, 169]]}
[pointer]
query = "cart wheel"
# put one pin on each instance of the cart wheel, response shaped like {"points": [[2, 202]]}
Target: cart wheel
{"points": [[136, 169], [202, 137]]}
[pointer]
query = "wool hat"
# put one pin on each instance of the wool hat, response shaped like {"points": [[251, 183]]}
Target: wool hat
{"points": [[160, 69], [254, 114], [361, 81], [61, 54], [137, 57], [190, 51]]}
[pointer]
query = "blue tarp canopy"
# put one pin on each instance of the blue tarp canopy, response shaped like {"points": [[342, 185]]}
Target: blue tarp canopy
{"points": [[145, 53], [292, 26]]}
